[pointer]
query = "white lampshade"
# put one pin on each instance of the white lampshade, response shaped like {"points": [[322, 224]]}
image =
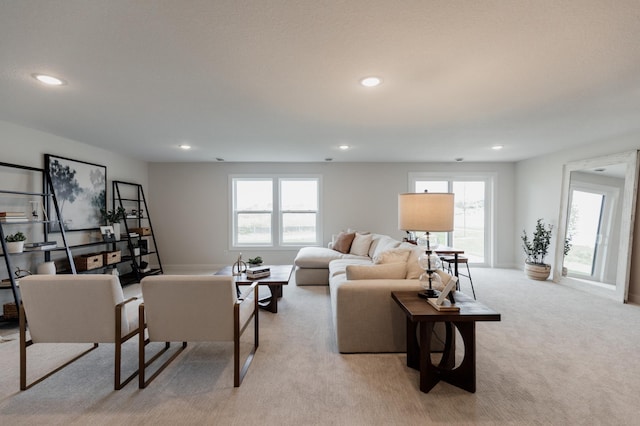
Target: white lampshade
{"points": [[425, 211]]}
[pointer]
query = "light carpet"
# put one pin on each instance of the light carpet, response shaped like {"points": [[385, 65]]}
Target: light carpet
{"points": [[559, 356]]}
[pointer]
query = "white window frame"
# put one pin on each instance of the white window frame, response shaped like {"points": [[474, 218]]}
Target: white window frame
{"points": [[489, 179], [276, 212]]}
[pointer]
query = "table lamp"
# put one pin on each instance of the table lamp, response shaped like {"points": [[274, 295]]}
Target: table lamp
{"points": [[428, 212]]}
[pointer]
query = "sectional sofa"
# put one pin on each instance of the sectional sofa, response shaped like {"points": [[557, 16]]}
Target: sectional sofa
{"points": [[361, 274]]}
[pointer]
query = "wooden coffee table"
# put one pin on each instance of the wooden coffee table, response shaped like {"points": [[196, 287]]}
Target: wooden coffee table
{"points": [[280, 275], [419, 312]]}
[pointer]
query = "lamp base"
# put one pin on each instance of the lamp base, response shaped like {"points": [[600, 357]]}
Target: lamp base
{"points": [[429, 294]]}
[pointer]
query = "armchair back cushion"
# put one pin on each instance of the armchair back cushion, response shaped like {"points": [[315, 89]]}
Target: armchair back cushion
{"points": [[73, 308], [190, 308]]}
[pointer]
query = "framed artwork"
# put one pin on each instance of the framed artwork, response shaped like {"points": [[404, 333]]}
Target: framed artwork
{"points": [[81, 191]]}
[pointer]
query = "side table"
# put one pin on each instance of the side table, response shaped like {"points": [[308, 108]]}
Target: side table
{"points": [[419, 312]]}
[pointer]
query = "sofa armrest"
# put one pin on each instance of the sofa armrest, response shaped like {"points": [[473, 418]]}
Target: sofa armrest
{"points": [[366, 318]]}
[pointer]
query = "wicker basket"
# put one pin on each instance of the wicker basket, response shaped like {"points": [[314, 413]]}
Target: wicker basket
{"points": [[111, 257], [87, 262], [10, 310], [141, 231]]}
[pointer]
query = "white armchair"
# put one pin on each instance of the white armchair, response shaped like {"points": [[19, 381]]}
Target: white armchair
{"points": [[74, 309], [195, 308]]}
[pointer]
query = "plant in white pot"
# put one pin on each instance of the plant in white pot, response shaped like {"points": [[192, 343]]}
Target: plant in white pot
{"points": [[567, 248], [536, 250], [113, 218], [15, 242]]}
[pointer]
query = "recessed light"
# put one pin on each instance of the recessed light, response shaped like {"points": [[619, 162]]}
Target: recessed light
{"points": [[184, 146], [219, 159], [459, 159], [497, 147], [600, 170], [49, 80], [344, 147], [328, 159], [370, 81]]}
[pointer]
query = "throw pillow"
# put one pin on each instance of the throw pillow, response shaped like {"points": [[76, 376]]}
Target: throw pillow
{"points": [[376, 272], [392, 256], [413, 267], [343, 242], [361, 243]]}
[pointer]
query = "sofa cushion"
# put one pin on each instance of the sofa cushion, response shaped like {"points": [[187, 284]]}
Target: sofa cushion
{"points": [[315, 257], [361, 243], [376, 272], [343, 242], [382, 243], [339, 266], [392, 256]]}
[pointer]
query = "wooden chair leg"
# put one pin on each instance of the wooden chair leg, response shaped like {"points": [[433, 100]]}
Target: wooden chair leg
{"points": [[143, 364], [24, 343], [238, 375]]}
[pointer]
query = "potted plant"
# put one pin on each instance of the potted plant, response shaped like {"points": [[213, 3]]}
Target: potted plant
{"points": [[256, 261], [536, 249], [15, 242], [567, 248], [113, 217]]}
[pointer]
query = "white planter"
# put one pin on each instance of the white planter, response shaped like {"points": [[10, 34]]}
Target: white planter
{"points": [[47, 268], [15, 247], [116, 230], [536, 271]]}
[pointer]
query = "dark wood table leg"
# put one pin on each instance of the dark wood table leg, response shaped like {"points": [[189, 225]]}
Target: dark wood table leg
{"points": [[413, 349], [464, 376], [455, 267], [270, 303], [429, 373]]}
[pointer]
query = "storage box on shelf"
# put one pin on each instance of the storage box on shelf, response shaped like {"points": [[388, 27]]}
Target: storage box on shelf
{"points": [[111, 257], [141, 231], [10, 310], [87, 262]]}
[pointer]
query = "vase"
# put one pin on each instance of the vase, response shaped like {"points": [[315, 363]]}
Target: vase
{"points": [[116, 231], [537, 271], [47, 268], [15, 247]]}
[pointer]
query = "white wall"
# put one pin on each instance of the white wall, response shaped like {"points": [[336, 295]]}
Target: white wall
{"points": [[190, 204], [23, 146], [538, 190]]}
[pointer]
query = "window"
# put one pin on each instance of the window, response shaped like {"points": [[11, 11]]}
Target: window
{"points": [[472, 222], [272, 211]]}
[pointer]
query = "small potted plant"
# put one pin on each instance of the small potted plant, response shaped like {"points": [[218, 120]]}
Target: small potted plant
{"points": [[567, 248], [113, 217], [15, 242], [536, 250], [256, 261]]}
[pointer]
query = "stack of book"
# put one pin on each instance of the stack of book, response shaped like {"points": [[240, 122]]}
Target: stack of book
{"points": [[43, 245], [256, 272], [13, 217]]}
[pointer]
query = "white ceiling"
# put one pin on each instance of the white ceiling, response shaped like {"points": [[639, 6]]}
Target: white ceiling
{"points": [[270, 80]]}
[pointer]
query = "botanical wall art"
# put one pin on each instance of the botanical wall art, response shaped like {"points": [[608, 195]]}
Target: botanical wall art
{"points": [[81, 191]]}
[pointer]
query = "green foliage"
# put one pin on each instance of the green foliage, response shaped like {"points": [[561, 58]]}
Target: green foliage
{"points": [[538, 247], [567, 244], [66, 185], [13, 238], [255, 261], [113, 216]]}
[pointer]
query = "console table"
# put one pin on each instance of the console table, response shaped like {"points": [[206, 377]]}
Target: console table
{"points": [[419, 312]]}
